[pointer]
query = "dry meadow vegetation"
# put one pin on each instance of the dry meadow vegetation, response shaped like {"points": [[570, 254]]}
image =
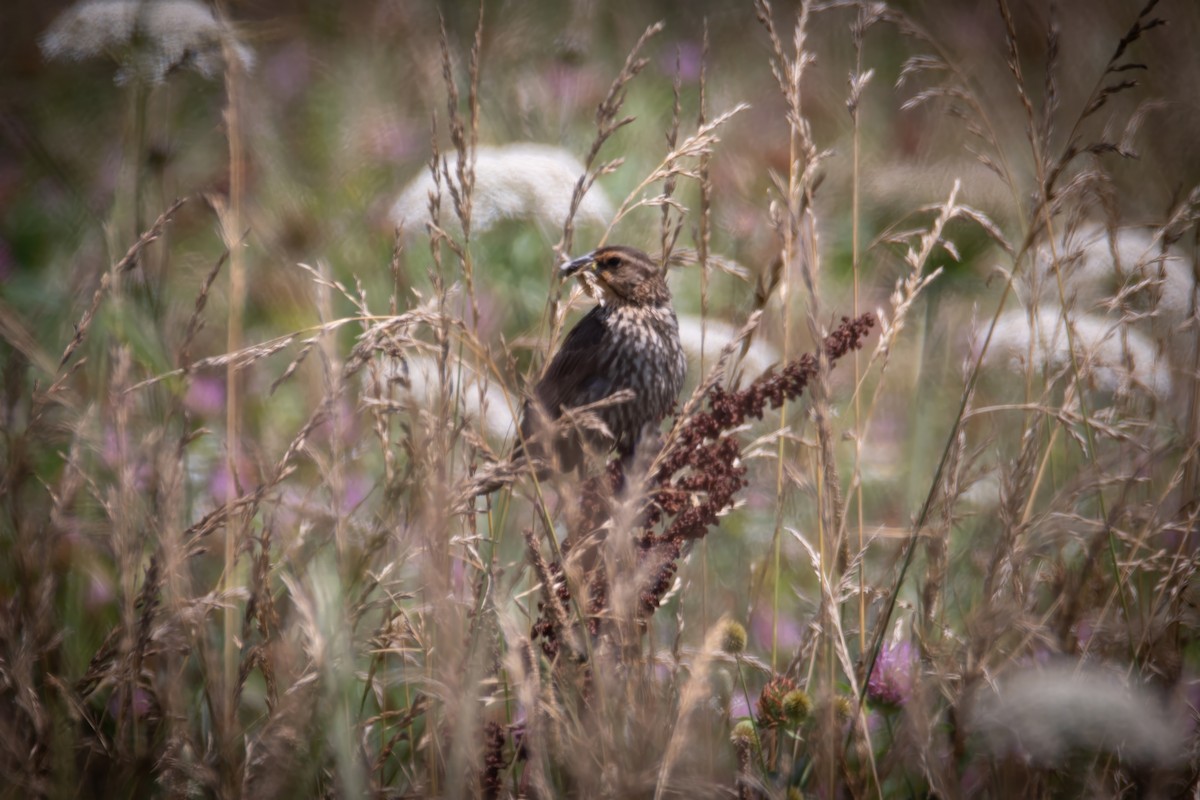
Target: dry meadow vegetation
{"points": [[275, 279]]}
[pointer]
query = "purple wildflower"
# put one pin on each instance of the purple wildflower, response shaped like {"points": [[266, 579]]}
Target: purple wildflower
{"points": [[688, 56], [221, 485], [787, 633], [99, 592], [892, 678], [289, 71], [205, 397], [141, 706], [739, 708]]}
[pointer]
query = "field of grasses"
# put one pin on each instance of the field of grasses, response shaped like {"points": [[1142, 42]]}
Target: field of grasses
{"points": [[276, 278]]}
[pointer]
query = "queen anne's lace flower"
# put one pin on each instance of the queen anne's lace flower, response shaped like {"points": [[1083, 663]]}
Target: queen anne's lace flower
{"points": [[1042, 715], [1114, 359], [1125, 284], [417, 376], [1131, 271], [148, 39], [516, 181]]}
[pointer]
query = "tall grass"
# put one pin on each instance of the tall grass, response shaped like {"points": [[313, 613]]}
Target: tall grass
{"points": [[263, 534]]}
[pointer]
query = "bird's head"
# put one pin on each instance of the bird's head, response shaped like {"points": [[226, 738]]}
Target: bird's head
{"points": [[625, 275]]}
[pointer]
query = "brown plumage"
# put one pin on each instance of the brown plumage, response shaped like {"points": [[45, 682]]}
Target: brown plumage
{"points": [[629, 341]]}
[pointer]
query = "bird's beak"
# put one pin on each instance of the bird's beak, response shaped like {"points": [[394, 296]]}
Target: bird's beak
{"points": [[583, 262]]}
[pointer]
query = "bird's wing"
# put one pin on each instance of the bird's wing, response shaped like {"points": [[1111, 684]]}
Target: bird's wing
{"points": [[572, 378]]}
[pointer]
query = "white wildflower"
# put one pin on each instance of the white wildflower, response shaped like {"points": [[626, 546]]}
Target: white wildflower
{"points": [[1043, 715], [1142, 279], [1113, 359], [417, 377], [715, 336], [983, 494], [516, 181], [149, 39]]}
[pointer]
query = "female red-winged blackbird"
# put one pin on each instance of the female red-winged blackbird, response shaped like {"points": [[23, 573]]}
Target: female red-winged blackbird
{"points": [[629, 341]]}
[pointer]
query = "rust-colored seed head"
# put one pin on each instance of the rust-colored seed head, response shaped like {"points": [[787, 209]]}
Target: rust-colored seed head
{"points": [[630, 341]]}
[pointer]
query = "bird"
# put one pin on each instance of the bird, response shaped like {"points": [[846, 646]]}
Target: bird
{"points": [[628, 341]]}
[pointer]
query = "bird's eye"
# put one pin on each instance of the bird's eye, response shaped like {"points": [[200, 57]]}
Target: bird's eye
{"points": [[611, 262]]}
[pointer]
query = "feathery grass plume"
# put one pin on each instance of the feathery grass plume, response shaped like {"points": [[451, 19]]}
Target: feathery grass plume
{"points": [[693, 710], [514, 181], [127, 263], [1116, 360], [149, 39], [1042, 715], [678, 161], [608, 121]]}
